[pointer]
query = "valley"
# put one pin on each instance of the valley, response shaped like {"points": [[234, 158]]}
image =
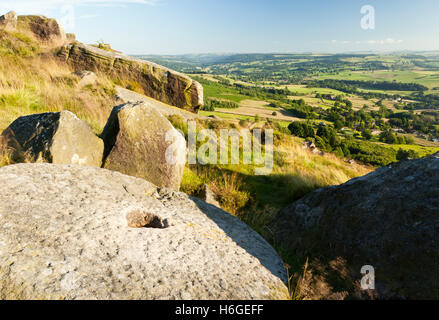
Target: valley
{"points": [[106, 194], [390, 100]]}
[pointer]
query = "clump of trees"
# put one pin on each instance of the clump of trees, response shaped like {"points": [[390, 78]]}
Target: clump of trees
{"points": [[210, 104], [389, 137], [327, 139], [406, 154], [352, 86], [302, 129]]}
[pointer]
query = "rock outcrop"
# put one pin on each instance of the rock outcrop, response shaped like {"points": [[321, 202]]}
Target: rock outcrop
{"points": [[58, 137], [45, 29], [311, 147], [86, 78], [141, 142], [157, 82], [127, 96], [388, 219], [65, 235], [8, 21], [70, 37]]}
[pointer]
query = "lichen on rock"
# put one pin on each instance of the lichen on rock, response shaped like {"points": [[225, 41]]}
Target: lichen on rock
{"points": [[74, 241], [8, 21], [139, 141], [54, 137], [158, 82], [387, 219]]}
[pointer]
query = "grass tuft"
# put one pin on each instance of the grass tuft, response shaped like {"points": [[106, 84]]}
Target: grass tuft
{"points": [[41, 83]]}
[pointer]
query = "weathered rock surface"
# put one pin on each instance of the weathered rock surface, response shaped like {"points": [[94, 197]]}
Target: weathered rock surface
{"points": [[127, 96], [310, 146], [64, 235], [141, 142], [388, 219], [45, 29], [160, 83], [8, 21], [70, 37], [86, 78], [58, 137], [206, 194]]}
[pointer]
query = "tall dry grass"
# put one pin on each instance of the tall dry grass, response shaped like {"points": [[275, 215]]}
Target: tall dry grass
{"points": [[314, 168], [5, 157], [39, 82], [256, 199]]}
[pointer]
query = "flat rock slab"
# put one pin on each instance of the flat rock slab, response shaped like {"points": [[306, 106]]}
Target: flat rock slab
{"points": [[64, 235]]}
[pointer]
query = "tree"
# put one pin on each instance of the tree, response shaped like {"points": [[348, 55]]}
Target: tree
{"points": [[400, 139], [406, 154], [409, 140], [387, 136], [301, 129], [338, 125], [327, 133], [367, 134]]}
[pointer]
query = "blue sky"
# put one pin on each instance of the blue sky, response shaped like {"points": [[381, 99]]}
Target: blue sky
{"points": [[216, 26]]}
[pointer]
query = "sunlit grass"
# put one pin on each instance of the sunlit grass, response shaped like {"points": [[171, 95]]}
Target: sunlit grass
{"points": [[296, 172], [40, 83]]}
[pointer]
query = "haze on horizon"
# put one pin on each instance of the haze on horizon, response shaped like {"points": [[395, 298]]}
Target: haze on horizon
{"points": [[257, 26]]}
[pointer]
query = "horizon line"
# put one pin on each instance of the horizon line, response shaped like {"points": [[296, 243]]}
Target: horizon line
{"points": [[289, 53]]}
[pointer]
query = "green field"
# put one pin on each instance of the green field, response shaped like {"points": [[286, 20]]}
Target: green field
{"points": [[429, 79], [301, 89], [371, 92], [421, 151], [225, 115], [216, 90]]}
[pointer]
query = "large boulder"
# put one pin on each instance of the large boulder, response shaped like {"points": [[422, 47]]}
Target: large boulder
{"points": [[141, 142], [128, 96], [55, 137], [163, 84], [86, 78], [72, 232], [45, 29], [388, 219], [8, 21]]}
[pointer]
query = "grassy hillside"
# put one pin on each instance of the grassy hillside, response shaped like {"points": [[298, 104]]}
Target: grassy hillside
{"points": [[32, 80], [255, 199]]}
